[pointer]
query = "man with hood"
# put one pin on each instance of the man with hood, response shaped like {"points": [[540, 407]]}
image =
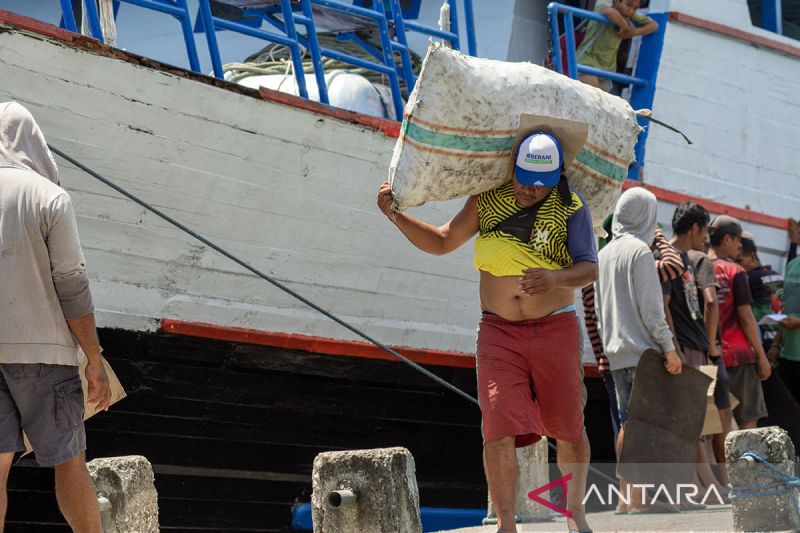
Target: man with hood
{"points": [[630, 308], [46, 319]]}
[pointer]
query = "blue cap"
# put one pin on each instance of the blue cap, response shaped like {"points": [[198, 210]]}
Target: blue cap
{"points": [[539, 160]]}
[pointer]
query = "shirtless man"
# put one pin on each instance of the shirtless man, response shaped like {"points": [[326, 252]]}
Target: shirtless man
{"points": [[528, 335]]}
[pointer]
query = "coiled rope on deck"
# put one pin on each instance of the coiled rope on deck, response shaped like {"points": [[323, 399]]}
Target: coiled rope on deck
{"points": [[276, 59]]}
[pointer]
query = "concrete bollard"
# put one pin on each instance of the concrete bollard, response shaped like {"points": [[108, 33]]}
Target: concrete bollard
{"points": [[127, 483], [761, 513], [533, 472], [365, 491]]}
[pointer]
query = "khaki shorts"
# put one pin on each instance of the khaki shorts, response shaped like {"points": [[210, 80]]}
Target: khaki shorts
{"points": [[46, 401], [746, 387]]}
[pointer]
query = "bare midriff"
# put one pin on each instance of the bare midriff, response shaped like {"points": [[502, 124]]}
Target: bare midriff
{"points": [[502, 296]]}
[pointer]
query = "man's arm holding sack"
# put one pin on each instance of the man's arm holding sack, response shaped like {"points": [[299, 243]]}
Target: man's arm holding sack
{"points": [[427, 237]]}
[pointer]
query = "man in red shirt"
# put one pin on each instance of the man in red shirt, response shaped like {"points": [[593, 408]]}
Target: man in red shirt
{"points": [[742, 352]]}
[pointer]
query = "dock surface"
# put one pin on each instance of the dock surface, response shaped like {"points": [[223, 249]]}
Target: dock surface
{"points": [[715, 518]]}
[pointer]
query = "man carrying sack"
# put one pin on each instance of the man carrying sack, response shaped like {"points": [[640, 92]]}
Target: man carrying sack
{"points": [[46, 317], [535, 247]]}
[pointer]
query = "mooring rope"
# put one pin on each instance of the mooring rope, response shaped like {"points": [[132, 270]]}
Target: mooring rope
{"points": [[427, 373], [783, 483], [265, 277]]}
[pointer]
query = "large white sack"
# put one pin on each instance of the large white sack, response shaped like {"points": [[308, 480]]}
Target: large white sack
{"points": [[462, 115]]}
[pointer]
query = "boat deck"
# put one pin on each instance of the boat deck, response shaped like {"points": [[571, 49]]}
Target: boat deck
{"points": [[715, 518]]}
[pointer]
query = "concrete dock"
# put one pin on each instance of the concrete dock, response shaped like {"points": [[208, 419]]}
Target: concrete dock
{"points": [[715, 518]]}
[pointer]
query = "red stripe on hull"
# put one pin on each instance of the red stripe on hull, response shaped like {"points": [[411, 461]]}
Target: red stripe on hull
{"points": [[42, 28], [308, 343], [715, 207], [728, 31]]}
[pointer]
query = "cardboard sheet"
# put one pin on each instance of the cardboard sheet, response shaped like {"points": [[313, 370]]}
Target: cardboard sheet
{"points": [[665, 419]]}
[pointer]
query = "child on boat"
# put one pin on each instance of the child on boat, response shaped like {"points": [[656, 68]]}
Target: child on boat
{"points": [[603, 41]]}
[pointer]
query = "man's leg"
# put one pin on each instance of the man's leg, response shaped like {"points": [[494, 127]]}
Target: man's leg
{"points": [[76, 496], [753, 407], [622, 504], [573, 458], [726, 417], [723, 404], [5, 466], [611, 390], [623, 383], [500, 463], [718, 442], [704, 472]]}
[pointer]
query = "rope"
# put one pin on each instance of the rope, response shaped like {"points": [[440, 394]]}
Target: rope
{"points": [[265, 277], [107, 22], [286, 289], [105, 9], [444, 21], [648, 114], [783, 483]]}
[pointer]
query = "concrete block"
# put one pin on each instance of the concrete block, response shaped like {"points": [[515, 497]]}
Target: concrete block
{"points": [[365, 491], [761, 513], [533, 473], [127, 483]]}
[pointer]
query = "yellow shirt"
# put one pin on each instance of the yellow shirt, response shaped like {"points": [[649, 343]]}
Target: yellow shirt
{"points": [[502, 254]]}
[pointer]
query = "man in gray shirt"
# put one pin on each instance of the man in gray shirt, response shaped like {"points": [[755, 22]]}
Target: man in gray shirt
{"points": [[46, 319], [630, 308]]}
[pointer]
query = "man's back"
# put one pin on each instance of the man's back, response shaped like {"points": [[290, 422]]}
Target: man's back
{"points": [[685, 293], [628, 293], [45, 312], [44, 280]]}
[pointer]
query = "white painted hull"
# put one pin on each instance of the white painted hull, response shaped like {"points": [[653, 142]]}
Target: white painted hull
{"points": [[292, 191], [289, 191]]}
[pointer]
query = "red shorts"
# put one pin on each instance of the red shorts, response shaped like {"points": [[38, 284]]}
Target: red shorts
{"points": [[530, 378]]}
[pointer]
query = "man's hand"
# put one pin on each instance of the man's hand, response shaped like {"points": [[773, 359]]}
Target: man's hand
{"points": [[773, 353], [537, 281], [99, 390], [385, 201], [791, 322], [764, 368], [673, 363], [715, 350]]}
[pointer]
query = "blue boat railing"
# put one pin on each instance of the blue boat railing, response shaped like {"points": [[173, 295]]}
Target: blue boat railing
{"points": [[642, 84], [574, 68], [176, 8], [387, 17]]}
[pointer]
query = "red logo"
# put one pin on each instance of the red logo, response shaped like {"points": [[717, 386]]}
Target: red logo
{"points": [[562, 482]]}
